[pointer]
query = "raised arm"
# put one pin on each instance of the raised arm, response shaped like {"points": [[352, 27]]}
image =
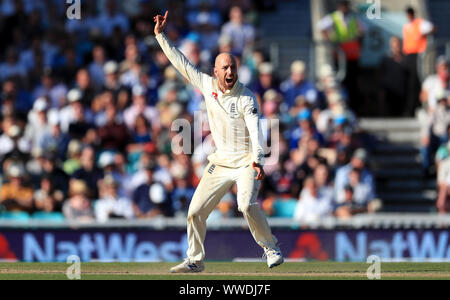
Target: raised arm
{"points": [[178, 60]]}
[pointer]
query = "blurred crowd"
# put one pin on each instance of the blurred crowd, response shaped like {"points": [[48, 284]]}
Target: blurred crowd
{"points": [[87, 107], [434, 117]]}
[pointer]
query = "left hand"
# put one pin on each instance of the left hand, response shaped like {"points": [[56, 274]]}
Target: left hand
{"points": [[260, 171]]}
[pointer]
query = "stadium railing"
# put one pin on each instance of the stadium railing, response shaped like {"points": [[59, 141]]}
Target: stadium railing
{"points": [[363, 221]]}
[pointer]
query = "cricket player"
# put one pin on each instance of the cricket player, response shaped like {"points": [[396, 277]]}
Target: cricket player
{"points": [[233, 116]]}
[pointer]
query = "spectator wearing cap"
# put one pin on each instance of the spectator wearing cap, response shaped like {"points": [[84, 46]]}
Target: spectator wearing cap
{"points": [[150, 199], [435, 84], [76, 120], [358, 161], [325, 119], [37, 126], [271, 104], [265, 81], [15, 195], [78, 206], [298, 85], [305, 128], [89, 172], [112, 80], [107, 162], [68, 113], [72, 163], [111, 205], [242, 34]]}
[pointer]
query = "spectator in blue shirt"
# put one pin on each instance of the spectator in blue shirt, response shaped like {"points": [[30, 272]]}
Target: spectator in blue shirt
{"points": [[305, 128], [297, 85], [359, 162]]}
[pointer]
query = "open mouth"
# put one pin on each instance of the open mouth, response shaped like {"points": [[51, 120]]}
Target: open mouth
{"points": [[229, 80]]}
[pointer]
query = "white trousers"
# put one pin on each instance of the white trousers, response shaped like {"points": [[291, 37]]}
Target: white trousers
{"points": [[214, 184]]}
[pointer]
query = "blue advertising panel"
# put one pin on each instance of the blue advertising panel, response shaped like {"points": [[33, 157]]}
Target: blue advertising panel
{"points": [[170, 245]]}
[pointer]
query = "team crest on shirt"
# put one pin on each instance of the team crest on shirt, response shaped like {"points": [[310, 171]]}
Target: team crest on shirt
{"points": [[215, 95], [233, 114]]}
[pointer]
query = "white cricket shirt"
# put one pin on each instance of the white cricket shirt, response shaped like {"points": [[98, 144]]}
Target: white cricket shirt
{"points": [[233, 116]]}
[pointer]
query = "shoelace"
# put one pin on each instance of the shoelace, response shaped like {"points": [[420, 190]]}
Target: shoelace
{"points": [[269, 253]]}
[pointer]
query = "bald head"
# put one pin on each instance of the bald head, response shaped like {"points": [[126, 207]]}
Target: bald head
{"points": [[224, 58], [225, 70]]}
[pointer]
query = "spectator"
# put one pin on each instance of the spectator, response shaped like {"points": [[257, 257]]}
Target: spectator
{"points": [[393, 80], [345, 29], [15, 195], [434, 133], [305, 129], [78, 206], [112, 19], [355, 197], [297, 85], [73, 163], [443, 202], [415, 34], [89, 173], [150, 199], [13, 147], [38, 126], [266, 81], [114, 134], [51, 89], [12, 67], [111, 205], [96, 68], [242, 35], [50, 168], [313, 205], [358, 161], [435, 84], [46, 198], [139, 107]]}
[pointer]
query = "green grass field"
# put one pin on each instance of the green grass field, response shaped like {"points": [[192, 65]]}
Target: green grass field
{"points": [[225, 271]]}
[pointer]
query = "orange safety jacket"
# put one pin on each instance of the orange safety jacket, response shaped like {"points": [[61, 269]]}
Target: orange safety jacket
{"points": [[414, 41]]}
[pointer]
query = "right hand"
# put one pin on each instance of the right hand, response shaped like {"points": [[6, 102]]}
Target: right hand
{"points": [[160, 23]]}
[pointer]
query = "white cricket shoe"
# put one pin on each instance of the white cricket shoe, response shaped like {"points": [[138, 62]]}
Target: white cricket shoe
{"points": [[274, 257], [188, 266]]}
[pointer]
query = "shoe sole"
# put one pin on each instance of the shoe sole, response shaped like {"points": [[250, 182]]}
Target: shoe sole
{"points": [[187, 272], [276, 264]]}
